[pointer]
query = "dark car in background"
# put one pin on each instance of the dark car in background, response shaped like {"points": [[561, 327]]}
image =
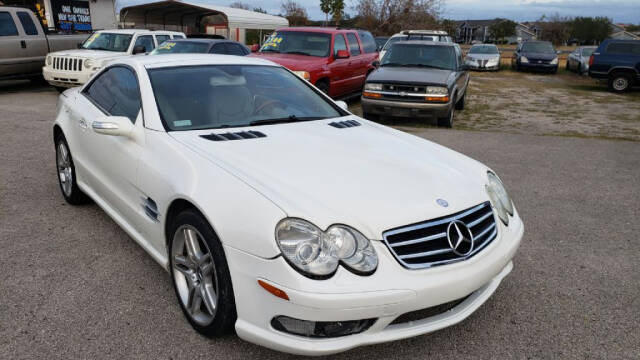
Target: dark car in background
{"points": [[201, 46], [618, 63], [535, 56], [417, 79]]}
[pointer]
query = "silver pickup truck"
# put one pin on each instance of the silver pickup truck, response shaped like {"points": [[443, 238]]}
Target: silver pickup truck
{"points": [[24, 44]]}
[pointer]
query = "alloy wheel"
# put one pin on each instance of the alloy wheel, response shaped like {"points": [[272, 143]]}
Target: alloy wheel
{"points": [[194, 274], [620, 84], [65, 171]]}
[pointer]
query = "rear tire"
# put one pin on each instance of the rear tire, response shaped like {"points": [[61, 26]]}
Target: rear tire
{"points": [[448, 120], [620, 82], [200, 273], [66, 171]]}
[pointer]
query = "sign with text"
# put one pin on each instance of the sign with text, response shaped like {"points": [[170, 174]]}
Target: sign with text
{"points": [[71, 15]]}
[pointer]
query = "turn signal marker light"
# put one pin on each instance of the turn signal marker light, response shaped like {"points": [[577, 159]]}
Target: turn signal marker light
{"points": [[437, 98], [371, 95], [274, 290]]}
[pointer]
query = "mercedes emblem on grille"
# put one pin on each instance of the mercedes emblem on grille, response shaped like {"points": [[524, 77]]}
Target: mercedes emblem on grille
{"points": [[460, 238], [442, 202]]}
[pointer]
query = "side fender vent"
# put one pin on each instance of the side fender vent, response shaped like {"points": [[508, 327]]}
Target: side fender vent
{"points": [[344, 124], [242, 135]]}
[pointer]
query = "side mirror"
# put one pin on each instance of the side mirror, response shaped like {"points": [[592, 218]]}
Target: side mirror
{"points": [[343, 105], [113, 125], [79, 45], [139, 50], [255, 48], [376, 64], [342, 54]]}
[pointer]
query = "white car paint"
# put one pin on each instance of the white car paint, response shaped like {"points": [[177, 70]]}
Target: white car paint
{"points": [[371, 177], [75, 74]]}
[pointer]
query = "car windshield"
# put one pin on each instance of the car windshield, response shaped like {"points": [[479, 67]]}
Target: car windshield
{"points": [[298, 42], [420, 55], [108, 42], [222, 96], [538, 47], [181, 47], [380, 41], [587, 52], [483, 49]]}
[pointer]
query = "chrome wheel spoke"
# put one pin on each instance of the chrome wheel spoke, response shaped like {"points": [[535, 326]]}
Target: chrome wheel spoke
{"points": [[192, 245], [195, 300], [206, 264], [209, 298]]}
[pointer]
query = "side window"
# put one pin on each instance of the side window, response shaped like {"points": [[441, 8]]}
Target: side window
{"points": [[619, 48], [458, 55], [7, 26], [117, 92], [218, 49], [178, 36], [27, 23], [339, 44], [368, 42], [234, 49], [354, 47], [162, 38], [146, 41]]}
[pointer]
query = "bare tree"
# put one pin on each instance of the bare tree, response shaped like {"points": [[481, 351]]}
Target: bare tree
{"points": [[295, 13], [390, 16], [556, 29], [240, 5]]}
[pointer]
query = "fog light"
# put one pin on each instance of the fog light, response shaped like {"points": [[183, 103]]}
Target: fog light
{"points": [[320, 329]]}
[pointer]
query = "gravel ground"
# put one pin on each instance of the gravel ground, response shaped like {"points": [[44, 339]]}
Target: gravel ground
{"points": [[74, 285]]}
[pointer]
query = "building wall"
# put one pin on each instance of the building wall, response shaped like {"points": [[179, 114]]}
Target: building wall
{"points": [[102, 14]]}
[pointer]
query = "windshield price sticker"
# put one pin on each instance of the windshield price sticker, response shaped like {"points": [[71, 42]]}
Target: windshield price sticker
{"points": [[273, 41], [167, 45]]}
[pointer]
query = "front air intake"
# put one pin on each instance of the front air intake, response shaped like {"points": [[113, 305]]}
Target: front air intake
{"points": [[242, 135], [344, 124]]}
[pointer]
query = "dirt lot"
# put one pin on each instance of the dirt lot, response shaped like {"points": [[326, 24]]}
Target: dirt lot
{"points": [[565, 104]]}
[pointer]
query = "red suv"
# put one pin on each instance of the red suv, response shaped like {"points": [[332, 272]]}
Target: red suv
{"points": [[337, 61]]}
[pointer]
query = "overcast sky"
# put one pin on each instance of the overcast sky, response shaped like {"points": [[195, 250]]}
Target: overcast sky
{"points": [[624, 11]]}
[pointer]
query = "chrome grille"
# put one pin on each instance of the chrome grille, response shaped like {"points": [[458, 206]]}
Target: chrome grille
{"points": [[425, 244], [483, 63], [67, 63]]}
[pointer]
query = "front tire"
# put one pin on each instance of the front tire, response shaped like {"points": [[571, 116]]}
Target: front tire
{"points": [[67, 174], [448, 120], [461, 102], [620, 82], [200, 274], [323, 86]]}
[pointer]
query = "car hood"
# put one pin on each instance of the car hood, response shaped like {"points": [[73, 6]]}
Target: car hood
{"points": [[370, 177], [413, 75], [539, 56], [483, 56], [90, 54], [292, 61]]}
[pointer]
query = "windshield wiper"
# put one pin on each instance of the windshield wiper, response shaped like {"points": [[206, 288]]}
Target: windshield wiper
{"points": [[283, 120]]}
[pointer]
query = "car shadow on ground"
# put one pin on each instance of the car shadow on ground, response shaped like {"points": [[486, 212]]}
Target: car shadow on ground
{"points": [[14, 86]]}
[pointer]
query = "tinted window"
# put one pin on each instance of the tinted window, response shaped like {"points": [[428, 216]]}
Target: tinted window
{"points": [[178, 36], [298, 42], [587, 52], [146, 41], [483, 49], [368, 42], [108, 41], [624, 48], [354, 47], [218, 49], [27, 23], [7, 26], [180, 47], [162, 38], [235, 49], [417, 55], [538, 47], [339, 44], [216, 96], [116, 91]]}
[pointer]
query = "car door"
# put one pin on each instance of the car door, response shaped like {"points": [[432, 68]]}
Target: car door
{"points": [[109, 163], [35, 41], [12, 54], [339, 69], [462, 74], [357, 63], [146, 41]]}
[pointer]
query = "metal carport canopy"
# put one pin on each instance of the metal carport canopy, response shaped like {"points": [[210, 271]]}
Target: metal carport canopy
{"points": [[174, 12]]}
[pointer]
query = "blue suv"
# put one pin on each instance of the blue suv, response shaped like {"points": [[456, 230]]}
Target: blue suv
{"points": [[618, 62]]}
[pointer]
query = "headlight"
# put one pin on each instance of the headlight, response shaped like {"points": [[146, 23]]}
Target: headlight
{"points": [[523, 59], [88, 63], [303, 74], [499, 197], [437, 90], [373, 86], [318, 253], [554, 61], [49, 60]]}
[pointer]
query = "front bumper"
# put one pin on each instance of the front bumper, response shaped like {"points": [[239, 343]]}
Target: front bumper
{"points": [[531, 66], [390, 292], [477, 67], [64, 78], [408, 109]]}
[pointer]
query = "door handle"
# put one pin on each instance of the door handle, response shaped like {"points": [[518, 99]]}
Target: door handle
{"points": [[23, 44]]}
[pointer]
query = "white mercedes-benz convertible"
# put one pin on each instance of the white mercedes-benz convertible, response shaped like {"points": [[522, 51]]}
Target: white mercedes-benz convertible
{"points": [[277, 212]]}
